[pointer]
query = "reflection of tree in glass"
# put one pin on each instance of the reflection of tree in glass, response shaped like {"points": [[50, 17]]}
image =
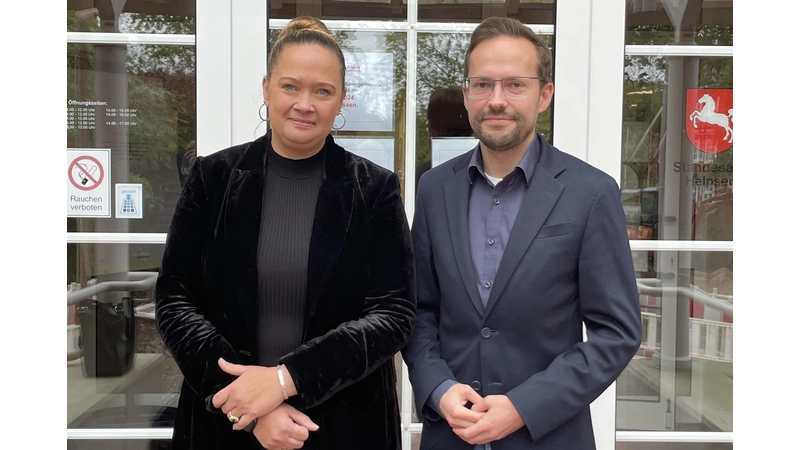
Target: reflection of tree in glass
{"points": [[644, 78], [395, 43], [161, 89], [665, 34], [156, 24], [440, 64]]}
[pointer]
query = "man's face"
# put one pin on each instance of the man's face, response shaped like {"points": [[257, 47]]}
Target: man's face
{"points": [[504, 124]]}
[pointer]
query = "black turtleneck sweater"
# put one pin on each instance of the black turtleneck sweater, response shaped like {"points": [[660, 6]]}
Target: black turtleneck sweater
{"points": [[287, 216]]}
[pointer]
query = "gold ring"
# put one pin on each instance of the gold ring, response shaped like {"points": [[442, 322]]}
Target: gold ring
{"points": [[232, 418]]}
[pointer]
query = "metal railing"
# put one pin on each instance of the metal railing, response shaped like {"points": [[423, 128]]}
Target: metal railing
{"points": [[138, 281], [652, 286]]}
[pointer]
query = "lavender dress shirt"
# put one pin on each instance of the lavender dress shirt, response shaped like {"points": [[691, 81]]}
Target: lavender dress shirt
{"points": [[492, 212]]}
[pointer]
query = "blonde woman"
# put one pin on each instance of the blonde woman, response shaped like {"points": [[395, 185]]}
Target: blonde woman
{"points": [[287, 283]]}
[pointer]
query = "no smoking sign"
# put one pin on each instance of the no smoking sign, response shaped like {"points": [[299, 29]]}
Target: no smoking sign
{"points": [[88, 189], [86, 173]]}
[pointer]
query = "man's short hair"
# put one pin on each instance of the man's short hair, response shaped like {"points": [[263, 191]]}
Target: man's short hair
{"points": [[447, 115], [505, 26]]}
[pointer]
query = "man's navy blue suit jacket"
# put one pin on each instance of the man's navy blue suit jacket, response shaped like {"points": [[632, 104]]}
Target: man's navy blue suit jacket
{"points": [[567, 263]]}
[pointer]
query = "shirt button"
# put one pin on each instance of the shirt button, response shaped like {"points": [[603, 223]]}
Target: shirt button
{"points": [[496, 201], [491, 241], [486, 333], [488, 284]]}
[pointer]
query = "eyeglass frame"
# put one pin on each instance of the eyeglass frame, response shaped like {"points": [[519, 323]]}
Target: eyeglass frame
{"points": [[494, 81]]}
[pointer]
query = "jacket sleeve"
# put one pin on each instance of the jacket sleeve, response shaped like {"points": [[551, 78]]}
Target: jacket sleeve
{"points": [[609, 307], [182, 311], [356, 348], [427, 369]]}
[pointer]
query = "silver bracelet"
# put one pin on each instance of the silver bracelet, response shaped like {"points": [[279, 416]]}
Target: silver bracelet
{"points": [[283, 383]]}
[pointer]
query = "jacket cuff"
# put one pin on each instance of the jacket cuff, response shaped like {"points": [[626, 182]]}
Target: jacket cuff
{"points": [[436, 396]]}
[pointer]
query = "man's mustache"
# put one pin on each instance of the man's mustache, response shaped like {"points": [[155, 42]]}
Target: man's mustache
{"points": [[496, 115]]}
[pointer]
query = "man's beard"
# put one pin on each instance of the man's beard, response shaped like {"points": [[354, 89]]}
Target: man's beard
{"points": [[501, 141]]}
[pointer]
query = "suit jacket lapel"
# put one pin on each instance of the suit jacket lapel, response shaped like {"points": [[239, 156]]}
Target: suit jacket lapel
{"points": [[331, 220], [242, 225], [541, 198], [456, 196]]}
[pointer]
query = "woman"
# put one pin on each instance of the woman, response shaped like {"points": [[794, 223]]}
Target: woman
{"points": [[287, 281]]}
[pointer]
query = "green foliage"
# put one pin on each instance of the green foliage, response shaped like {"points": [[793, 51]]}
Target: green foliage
{"points": [[440, 63], [157, 24], [665, 35], [82, 21], [155, 140]]}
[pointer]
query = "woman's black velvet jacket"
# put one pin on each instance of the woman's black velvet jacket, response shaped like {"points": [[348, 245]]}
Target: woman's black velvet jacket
{"points": [[360, 306]]}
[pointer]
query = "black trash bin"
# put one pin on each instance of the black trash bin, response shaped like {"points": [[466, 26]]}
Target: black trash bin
{"points": [[108, 337]]}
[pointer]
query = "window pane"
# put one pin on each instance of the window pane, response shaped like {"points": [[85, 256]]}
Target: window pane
{"points": [[415, 440], [390, 10], [677, 155], [682, 376], [173, 17], [138, 103], [119, 373], [654, 22], [474, 11]]}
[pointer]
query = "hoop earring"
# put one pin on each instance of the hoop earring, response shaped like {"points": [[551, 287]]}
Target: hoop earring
{"points": [[263, 120], [344, 122], [261, 116]]}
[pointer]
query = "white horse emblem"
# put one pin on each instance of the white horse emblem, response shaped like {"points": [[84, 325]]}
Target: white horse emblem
{"points": [[708, 114]]}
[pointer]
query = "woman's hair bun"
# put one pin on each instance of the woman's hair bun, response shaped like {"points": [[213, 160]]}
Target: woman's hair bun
{"points": [[305, 23]]}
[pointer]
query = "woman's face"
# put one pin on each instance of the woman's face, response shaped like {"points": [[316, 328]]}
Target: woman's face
{"points": [[304, 95]]}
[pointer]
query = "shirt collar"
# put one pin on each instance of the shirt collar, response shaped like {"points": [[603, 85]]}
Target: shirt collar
{"points": [[527, 164]]}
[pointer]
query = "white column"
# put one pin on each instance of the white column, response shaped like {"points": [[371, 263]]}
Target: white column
{"points": [[589, 46], [214, 82], [409, 194], [572, 61], [248, 67], [231, 61]]}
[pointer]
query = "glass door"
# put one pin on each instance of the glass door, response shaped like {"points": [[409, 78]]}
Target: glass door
{"points": [[677, 192], [131, 136]]}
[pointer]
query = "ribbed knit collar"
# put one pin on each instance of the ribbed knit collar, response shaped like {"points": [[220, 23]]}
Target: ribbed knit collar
{"points": [[294, 168]]}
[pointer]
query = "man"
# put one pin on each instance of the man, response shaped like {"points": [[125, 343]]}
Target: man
{"points": [[517, 245]]}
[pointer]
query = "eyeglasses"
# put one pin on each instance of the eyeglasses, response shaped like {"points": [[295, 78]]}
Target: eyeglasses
{"points": [[514, 87]]}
